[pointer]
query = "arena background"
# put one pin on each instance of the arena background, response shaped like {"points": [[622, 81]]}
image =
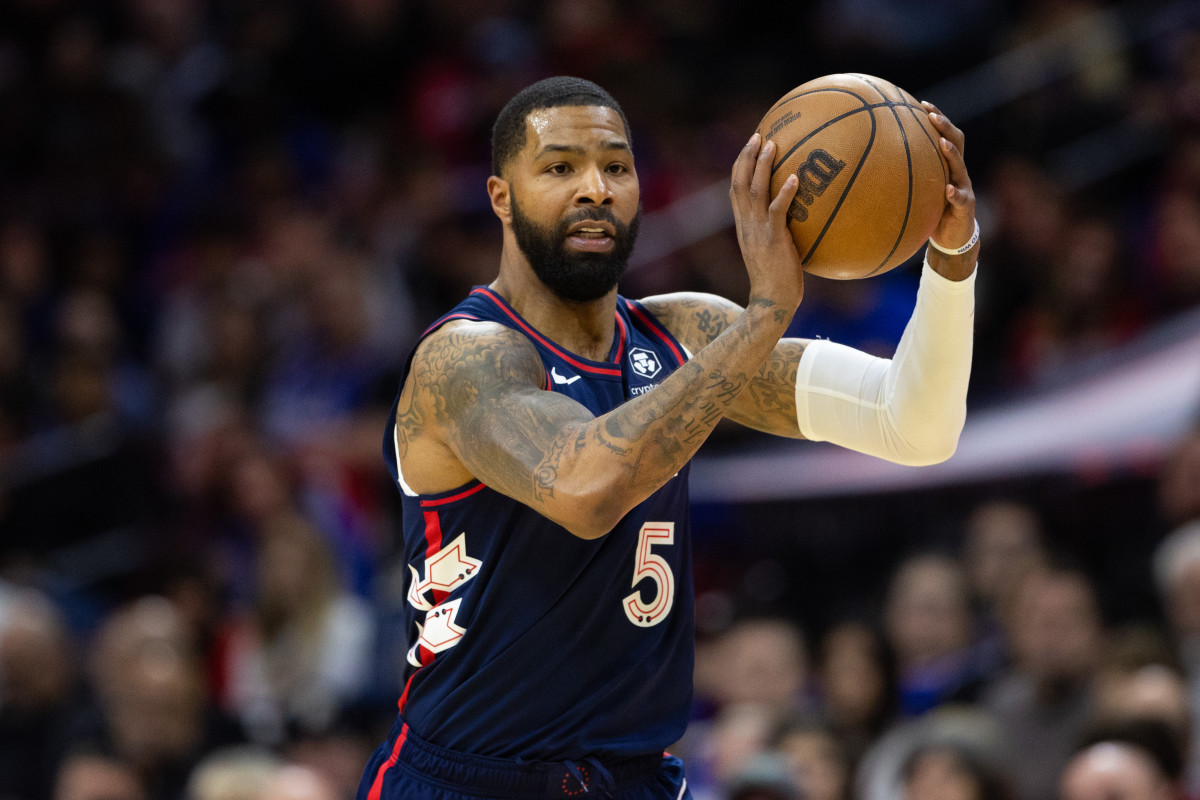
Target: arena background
{"points": [[222, 225]]}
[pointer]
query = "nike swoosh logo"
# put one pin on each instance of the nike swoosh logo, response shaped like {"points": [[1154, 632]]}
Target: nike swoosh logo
{"points": [[561, 380]]}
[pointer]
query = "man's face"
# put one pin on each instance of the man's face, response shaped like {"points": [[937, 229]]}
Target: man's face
{"points": [[575, 200]]}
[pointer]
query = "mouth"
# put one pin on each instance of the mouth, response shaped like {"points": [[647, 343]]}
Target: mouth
{"points": [[591, 236]]}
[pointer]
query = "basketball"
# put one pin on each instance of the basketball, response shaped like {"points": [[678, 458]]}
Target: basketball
{"points": [[872, 176]]}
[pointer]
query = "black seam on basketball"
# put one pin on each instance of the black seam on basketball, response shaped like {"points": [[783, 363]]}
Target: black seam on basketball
{"points": [[921, 123], [867, 80], [870, 107], [842, 198], [779, 161], [908, 201]]}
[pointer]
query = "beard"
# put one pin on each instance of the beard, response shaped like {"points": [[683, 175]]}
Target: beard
{"points": [[575, 276]]}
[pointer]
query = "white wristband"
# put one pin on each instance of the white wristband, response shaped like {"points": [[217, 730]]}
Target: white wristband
{"points": [[961, 250]]}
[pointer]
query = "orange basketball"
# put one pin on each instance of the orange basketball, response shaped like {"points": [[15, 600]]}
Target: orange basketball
{"points": [[872, 176]]}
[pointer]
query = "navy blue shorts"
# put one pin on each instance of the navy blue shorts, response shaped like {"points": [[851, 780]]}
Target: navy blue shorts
{"points": [[407, 768]]}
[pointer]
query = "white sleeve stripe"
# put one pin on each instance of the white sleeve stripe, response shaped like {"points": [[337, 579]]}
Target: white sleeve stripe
{"points": [[399, 472]]}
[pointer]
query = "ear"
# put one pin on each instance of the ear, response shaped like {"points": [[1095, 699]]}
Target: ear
{"points": [[501, 194]]}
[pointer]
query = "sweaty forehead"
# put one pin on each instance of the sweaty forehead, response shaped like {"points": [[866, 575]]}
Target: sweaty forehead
{"points": [[582, 126]]}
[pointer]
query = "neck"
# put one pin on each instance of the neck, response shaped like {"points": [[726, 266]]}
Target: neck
{"points": [[585, 329]]}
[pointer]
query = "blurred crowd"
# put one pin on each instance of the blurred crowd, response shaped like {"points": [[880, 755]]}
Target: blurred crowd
{"points": [[223, 223]]}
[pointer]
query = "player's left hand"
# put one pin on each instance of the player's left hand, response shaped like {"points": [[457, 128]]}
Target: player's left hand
{"points": [[957, 224]]}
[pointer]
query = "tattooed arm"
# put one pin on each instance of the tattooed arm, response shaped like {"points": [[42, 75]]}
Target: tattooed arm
{"points": [[769, 402], [473, 406]]}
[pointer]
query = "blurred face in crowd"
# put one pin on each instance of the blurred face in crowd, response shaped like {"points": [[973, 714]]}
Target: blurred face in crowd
{"points": [[1152, 692], [1003, 543], [762, 662], [816, 764], [739, 733], [35, 659], [157, 716], [1055, 626], [88, 777], [852, 677], [1113, 771], [927, 613], [939, 774], [574, 200], [294, 782]]}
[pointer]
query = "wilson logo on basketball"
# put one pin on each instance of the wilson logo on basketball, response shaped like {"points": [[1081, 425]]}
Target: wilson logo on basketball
{"points": [[816, 173]]}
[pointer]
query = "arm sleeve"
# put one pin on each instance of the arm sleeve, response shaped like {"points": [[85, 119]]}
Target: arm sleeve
{"points": [[909, 409]]}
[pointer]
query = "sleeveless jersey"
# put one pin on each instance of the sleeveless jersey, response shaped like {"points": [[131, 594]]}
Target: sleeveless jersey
{"points": [[527, 641]]}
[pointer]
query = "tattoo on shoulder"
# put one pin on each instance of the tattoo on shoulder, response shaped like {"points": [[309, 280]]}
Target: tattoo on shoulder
{"points": [[458, 368]]}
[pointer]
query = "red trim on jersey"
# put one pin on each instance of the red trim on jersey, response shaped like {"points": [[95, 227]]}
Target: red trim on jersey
{"points": [[433, 543], [564, 355], [433, 534], [403, 701], [442, 501], [377, 784], [624, 331], [447, 318], [656, 328]]}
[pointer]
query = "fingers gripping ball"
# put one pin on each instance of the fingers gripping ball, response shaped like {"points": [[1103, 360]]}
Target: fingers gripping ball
{"points": [[872, 175]]}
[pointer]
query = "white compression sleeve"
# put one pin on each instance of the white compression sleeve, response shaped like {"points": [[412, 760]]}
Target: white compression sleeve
{"points": [[909, 409]]}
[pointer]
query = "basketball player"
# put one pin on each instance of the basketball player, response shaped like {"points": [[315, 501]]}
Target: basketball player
{"points": [[541, 441]]}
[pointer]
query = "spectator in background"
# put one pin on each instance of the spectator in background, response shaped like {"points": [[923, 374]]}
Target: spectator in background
{"points": [[763, 662], [1029, 216], [152, 710], [764, 777], [1139, 680], [737, 736], [928, 623], [883, 771], [1177, 574], [292, 782], [856, 682], [1044, 702], [1002, 543], [93, 775], [815, 759], [1082, 304], [39, 687], [1116, 767], [953, 771], [232, 773], [755, 674], [305, 651]]}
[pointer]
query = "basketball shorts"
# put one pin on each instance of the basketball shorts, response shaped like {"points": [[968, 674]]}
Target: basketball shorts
{"points": [[407, 768]]}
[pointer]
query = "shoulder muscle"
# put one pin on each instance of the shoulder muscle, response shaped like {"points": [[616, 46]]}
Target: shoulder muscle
{"points": [[694, 318]]}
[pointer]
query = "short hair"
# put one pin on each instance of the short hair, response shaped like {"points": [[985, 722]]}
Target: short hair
{"points": [[508, 133]]}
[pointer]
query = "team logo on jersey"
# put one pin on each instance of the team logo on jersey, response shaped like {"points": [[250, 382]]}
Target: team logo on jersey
{"points": [[645, 363], [445, 571], [440, 632]]}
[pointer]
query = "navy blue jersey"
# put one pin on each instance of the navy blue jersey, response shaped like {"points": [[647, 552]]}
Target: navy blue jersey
{"points": [[527, 641]]}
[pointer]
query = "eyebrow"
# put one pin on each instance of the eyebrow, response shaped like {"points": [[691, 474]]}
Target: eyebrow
{"points": [[615, 144]]}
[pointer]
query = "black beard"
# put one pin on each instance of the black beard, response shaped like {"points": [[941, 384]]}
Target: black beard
{"points": [[574, 276]]}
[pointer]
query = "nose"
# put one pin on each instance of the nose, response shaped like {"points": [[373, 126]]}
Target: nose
{"points": [[594, 188]]}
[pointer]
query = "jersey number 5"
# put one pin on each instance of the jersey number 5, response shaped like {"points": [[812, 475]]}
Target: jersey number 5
{"points": [[654, 567]]}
